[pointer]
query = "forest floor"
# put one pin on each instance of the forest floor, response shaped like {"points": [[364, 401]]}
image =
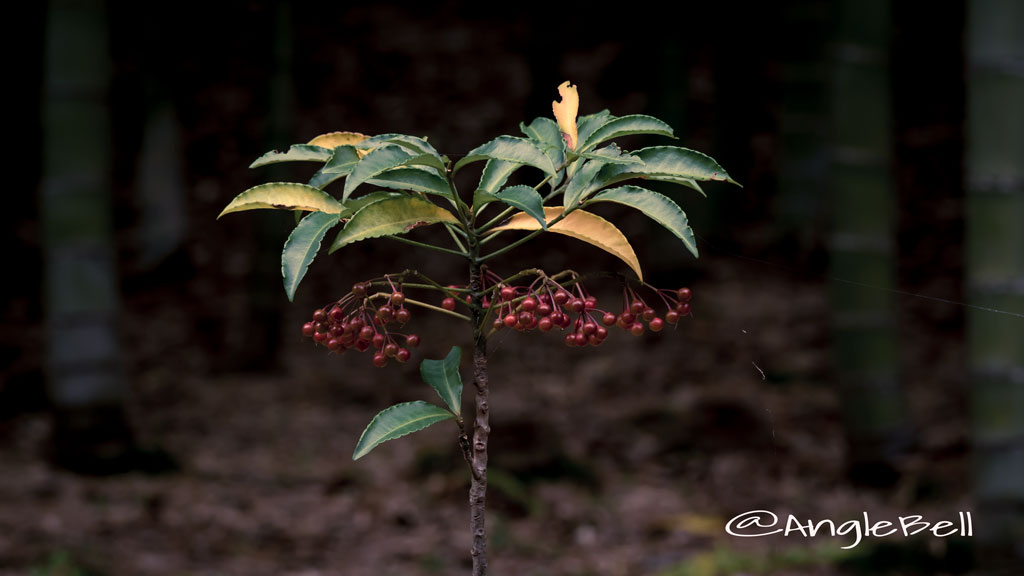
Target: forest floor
{"points": [[623, 460]]}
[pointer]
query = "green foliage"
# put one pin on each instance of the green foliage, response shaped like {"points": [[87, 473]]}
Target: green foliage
{"points": [[390, 217], [396, 183], [397, 421], [443, 376], [302, 246], [413, 171]]}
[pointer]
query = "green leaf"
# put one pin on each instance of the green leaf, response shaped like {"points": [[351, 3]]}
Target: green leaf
{"points": [[340, 165], [545, 132], [510, 149], [624, 126], [356, 204], [481, 199], [389, 217], [657, 206], [425, 153], [378, 161], [342, 161], [585, 125], [414, 179], [283, 196], [611, 154], [443, 376], [301, 247], [581, 184], [415, 145], [526, 199], [494, 176], [668, 163], [397, 421], [297, 153]]}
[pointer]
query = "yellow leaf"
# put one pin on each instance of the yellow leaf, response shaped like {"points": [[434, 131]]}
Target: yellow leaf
{"points": [[581, 225], [283, 196], [565, 113], [335, 139]]}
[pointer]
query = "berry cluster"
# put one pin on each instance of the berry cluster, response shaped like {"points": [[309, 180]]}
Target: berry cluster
{"points": [[358, 322], [545, 305]]}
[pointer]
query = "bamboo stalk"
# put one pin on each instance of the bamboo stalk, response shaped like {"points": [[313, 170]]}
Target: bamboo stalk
{"points": [[995, 272], [861, 243], [83, 348]]}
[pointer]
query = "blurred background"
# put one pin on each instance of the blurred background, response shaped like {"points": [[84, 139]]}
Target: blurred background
{"points": [[857, 342]]}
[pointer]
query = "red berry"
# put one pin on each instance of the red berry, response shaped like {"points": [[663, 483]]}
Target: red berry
{"points": [[397, 298], [581, 338], [385, 313], [570, 339], [510, 320], [608, 319], [577, 305], [359, 289], [380, 360], [403, 315], [366, 333], [307, 329], [636, 329], [683, 308], [412, 340], [320, 327], [529, 304], [356, 324], [337, 314], [378, 341], [525, 317], [589, 327], [672, 317], [647, 314], [362, 345], [656, 324], [334, 344], [320, 337], [590, 303], [545, 324], [390, 349], [601, 333], [561, 297], [319, 316], [448, 304], [684, 294], [498, 324], [543, 309], [627, 318], [637, 307], [507, 293], [403, 355]]}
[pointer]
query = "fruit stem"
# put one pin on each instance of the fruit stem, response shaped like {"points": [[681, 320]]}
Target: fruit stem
{"points": [[437, 309], [430, 246]]}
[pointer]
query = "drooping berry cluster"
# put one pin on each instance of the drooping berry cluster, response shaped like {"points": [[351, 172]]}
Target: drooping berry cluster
{"points": [[357, 322], [546, 304]]}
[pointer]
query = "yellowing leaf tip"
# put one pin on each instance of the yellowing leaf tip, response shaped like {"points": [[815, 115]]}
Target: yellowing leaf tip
{"points": [[566, 111]]}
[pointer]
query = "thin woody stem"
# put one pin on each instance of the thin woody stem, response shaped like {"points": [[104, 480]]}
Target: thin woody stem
{"points": [[481, 425]]}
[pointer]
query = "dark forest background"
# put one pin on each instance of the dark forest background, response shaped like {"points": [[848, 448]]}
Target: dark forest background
{"points": [[225, 445]]}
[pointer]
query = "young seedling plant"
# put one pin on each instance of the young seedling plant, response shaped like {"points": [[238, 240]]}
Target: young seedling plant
{"points": [[413, 186]]}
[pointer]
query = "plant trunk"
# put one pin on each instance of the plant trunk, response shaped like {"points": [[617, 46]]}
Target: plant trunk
{"points": [[995, 276], [481, 428]]}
